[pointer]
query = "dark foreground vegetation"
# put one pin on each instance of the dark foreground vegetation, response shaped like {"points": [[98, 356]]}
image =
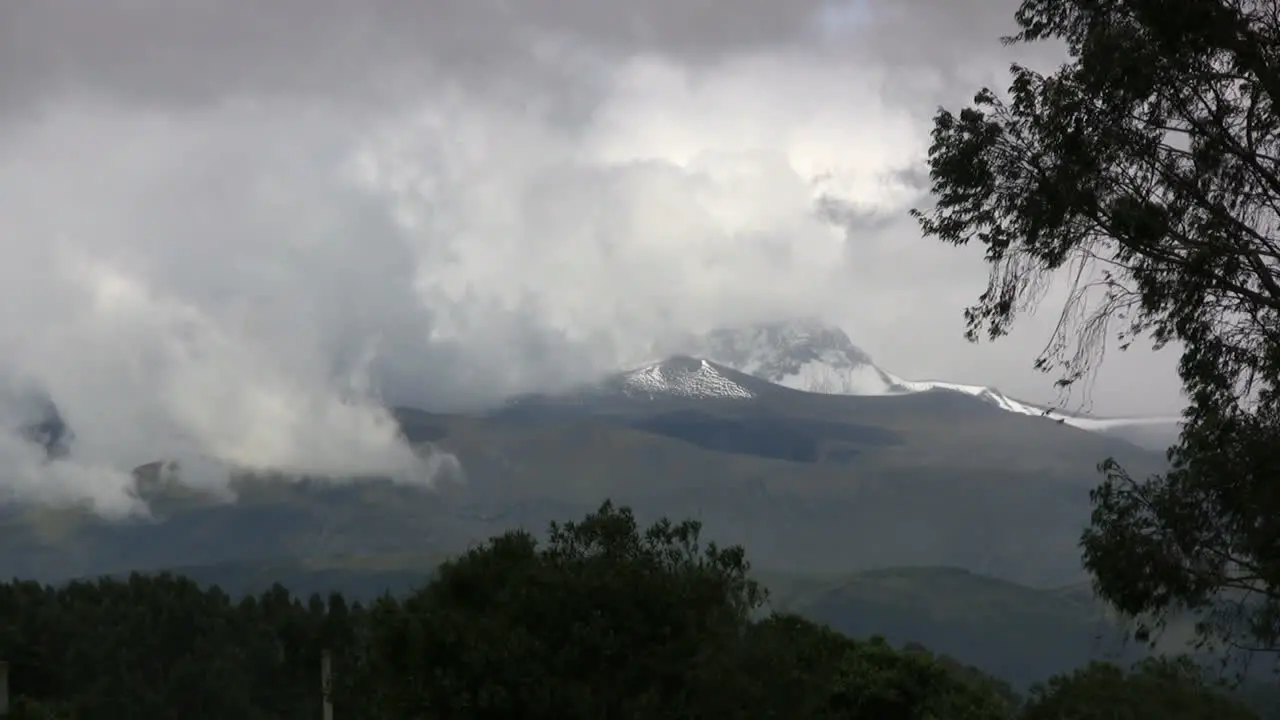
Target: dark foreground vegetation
{"points": [[1145, 170], [605, 619]]}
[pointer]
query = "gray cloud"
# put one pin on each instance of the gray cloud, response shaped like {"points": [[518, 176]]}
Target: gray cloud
{"points": [[183, 53], [231, 229]]}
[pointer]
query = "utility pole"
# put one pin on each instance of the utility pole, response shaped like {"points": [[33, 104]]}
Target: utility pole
{"points": [[326, 683]]}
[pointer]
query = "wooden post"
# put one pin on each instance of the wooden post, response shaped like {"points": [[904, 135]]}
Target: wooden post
{"points": [[4, 688], [326, 683]]}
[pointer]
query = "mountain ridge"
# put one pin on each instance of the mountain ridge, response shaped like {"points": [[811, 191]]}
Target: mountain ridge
{"points": [[811, 355]]}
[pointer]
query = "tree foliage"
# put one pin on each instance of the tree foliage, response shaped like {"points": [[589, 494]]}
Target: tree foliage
{"points": [[1146, 169], [1155, 689], [603, 619], [611, 620]]}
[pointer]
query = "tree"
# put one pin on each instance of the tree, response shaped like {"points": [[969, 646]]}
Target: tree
{"points": [[24, 709], [877, 682], [1148, 168], [604, 620], [790, 668], [1154, 690], [609, 620]]}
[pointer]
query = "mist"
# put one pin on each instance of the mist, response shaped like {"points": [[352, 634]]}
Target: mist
{"points": [[236, 239]]}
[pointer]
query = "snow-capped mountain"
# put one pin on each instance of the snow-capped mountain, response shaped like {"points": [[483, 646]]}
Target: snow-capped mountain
{"points": [[804, 355], [684, 376], [678, 378], [816, 357], [768, 359]]}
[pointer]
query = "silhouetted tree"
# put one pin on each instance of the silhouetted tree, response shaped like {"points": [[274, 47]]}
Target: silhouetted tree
{"points": [[1147, 168], [1153, 690]]}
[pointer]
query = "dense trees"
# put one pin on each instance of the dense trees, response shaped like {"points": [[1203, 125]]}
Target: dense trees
{"points": [[603, 619], [160, 647], [1147, 169], [1155, 689]]}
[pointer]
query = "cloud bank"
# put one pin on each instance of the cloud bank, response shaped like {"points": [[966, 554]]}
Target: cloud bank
{"points": [[233, 233]]}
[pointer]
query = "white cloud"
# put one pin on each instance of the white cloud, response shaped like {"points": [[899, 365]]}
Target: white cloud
{"points": [[238, 255], [197, 288]]}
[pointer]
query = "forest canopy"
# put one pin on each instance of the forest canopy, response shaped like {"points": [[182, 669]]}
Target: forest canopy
{"points": [[604, 618]]}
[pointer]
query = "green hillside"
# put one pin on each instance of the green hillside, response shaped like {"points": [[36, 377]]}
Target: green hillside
{"points": [[1011, 631]]}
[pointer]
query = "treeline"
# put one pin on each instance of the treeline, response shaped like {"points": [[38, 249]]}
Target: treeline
{"points": [[604, 619]]}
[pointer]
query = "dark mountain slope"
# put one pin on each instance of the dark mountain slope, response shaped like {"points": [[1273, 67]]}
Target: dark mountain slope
{"points": [[806, 481]]}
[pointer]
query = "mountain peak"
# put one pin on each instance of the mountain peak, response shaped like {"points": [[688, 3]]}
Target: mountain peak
{"points": [[804, 354], [683, 376], [804, 337], [810, 355]]}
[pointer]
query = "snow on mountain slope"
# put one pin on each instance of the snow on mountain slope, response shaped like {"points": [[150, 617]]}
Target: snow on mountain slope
{"points": [[804, 355], [815, 357], [1004, 402], [680, 376]]}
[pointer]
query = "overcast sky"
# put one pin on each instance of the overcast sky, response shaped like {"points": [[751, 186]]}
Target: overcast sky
{"points": [[222, 221]]}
